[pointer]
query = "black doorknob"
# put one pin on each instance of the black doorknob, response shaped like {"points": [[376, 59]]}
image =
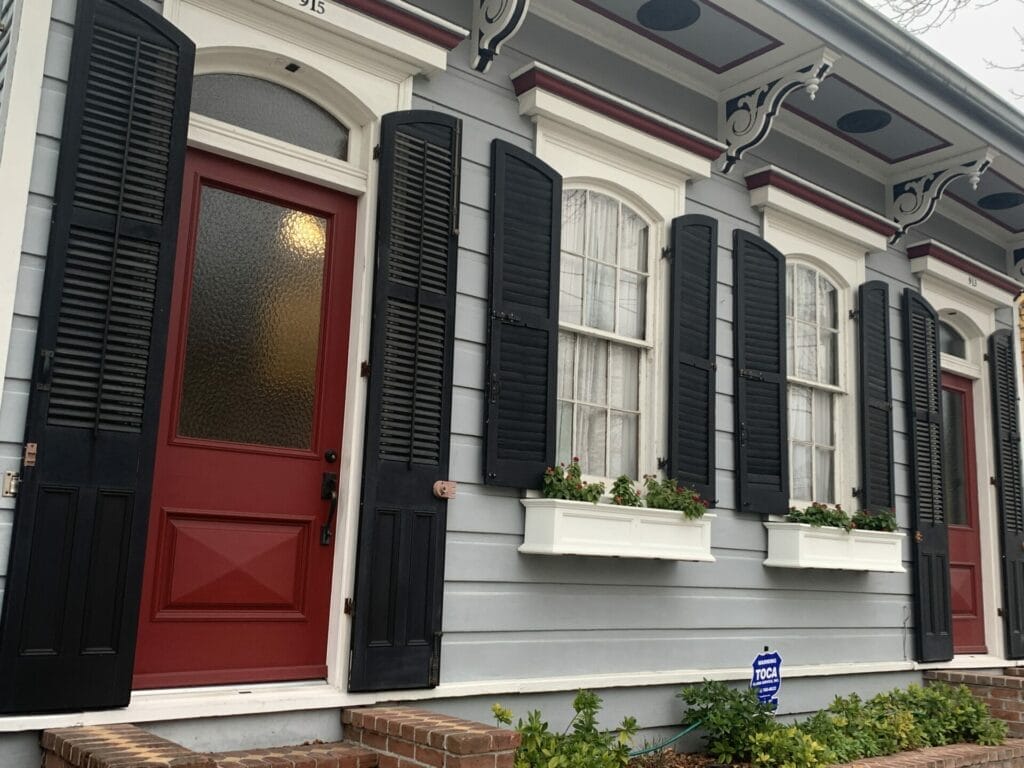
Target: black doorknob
{"points": [[331, 456]]}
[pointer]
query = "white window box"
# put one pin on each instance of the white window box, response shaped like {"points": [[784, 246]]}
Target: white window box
{"points": [[798, 545], [557, 527]]}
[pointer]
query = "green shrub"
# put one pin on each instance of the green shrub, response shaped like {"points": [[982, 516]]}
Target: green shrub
{"points": [[730, 718], [567, 483], [667, 494], [580, 745], [625, 493], [787, 747]]}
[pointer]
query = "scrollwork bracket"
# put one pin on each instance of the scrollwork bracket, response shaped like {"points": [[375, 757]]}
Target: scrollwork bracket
{"points": [[494, 24]]}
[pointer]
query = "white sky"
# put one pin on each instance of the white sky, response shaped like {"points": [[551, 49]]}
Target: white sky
{"points": [[977, 34]]}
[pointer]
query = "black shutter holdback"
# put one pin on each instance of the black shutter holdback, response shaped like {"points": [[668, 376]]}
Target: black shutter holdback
{"points": [[396, 638], [1003, 358], [762, 448], [933, 611], [522, 340], [67, 637], [692, 353]]}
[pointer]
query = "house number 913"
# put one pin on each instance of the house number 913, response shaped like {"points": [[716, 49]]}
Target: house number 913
{"points": [[972, 281], [313, 6]]}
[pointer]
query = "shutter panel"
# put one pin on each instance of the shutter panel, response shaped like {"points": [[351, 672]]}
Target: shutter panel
{"points": [[876, 490], [522, 354], [692, 351], [400, 566], [762, 450], [933, 617], [71, 602], [1003, 361]]}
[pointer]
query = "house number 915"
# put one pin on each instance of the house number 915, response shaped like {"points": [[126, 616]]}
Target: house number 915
{"points": [[313, 6]]}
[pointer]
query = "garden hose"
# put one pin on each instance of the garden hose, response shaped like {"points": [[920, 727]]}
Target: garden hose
{"points": [[659, 747]]}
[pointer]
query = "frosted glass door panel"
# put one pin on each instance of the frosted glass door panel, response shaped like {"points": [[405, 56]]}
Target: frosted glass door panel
{"points": [[254, 323]]}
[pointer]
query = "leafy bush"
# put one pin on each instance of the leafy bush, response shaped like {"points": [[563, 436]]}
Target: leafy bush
{"points": [[667, 494], [564, 482], [624, 493], [580, 745], [820, 515], [739, 728], [882, 520], [731, 717]]}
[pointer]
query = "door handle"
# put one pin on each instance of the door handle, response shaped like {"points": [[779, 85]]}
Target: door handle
{"points": [[328, 492]]}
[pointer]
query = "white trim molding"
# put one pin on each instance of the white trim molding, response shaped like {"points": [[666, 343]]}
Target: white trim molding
{"points": [[20, 116]]}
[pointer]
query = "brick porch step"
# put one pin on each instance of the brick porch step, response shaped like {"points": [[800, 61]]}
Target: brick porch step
{"points": [[333, 755]]}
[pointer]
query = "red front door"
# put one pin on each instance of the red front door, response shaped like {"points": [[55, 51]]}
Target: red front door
{"points": [[237, 579], [961, 496]]}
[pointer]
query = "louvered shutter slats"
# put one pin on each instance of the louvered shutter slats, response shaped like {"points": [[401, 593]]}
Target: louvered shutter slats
{"points": [[692, 353], [933, 610], [100, 350], [762, 458], [399, 575], [526, 196], [1003, 362], [877, 491]]}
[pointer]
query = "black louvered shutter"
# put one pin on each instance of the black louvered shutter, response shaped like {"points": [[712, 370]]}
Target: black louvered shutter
{"points": [[933, 612], [1003, 358], [522, 353], [762, 450], [692, 351], [400, 564], [876, 492], [71, 604]]}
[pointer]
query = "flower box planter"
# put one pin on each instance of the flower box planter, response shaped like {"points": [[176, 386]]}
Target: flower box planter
{"points": [[557, 527], [798, 545]]}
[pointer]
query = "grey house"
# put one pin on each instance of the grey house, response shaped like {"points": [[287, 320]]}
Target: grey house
{"points": [[299, 298]]}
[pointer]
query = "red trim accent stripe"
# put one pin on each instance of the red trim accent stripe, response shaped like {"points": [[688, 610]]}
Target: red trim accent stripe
{"points": [[775, 179], [546, 81], [964, 265], [408, 22]]}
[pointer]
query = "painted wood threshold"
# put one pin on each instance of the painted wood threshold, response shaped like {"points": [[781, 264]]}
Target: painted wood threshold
{"points": [[559, 527], [798, 545]]}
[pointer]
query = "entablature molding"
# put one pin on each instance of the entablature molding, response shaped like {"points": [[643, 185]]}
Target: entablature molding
{"points": [[748, 110], [912, 198], [975, 282], [547, 93], [495, 22], [774, 189]]}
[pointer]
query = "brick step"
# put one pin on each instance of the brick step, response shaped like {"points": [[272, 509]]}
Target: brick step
{"points": [[1014, 671], [985, 679], [333, 755]]}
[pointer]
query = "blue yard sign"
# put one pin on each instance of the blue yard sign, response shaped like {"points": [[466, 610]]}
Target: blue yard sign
{"points": [[767, 677]]}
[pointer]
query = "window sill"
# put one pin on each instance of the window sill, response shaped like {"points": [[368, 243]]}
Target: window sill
{"points": [[558, 527], [798, 545]]}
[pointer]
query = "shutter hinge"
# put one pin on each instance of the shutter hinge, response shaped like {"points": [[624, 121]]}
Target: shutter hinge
{"points": [[749, 373], [434, 676], [507, 317], [662, 462], [666, 253], [350, 606], [854, 314], [855, 492], [45, 370], [992, 481], [364, 369], [376, 152], [12, 480], [494, 389], [985, 357], [31, 453]]}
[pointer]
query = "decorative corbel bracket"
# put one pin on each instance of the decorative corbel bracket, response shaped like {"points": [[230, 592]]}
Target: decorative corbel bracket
{"points": [[913, 200], [747, 111], [494, 23], [1015, 260]]}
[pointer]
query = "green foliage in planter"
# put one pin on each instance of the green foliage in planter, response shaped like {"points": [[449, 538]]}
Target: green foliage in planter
{"points": [[564, 482], [739, 728], [822, 515], [580, 745], [667, 494], [624, 493]]}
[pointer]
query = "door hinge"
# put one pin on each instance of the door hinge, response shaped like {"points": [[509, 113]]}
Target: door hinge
{"points": [[31, 453], [12, 480], [434, 675], [350, 606]]}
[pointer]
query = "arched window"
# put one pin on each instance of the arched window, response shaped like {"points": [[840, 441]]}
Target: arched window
{"points": [[243, 101], [603, 345], [813, 370], [951, 342]]}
